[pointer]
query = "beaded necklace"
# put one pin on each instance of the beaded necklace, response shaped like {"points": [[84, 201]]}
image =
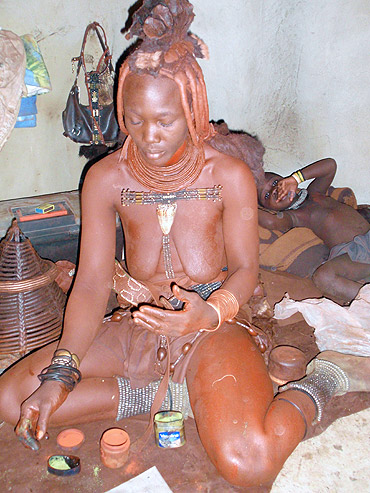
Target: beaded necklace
{"points": [[168, 178], [167, 185], [301, 197]]}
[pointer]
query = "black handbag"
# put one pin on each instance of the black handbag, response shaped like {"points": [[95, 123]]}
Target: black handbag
{"points": [[96, 122]]}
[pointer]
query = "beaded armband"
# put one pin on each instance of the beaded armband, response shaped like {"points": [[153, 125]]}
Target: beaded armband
{"points": [[225, 304], [298, 176]]}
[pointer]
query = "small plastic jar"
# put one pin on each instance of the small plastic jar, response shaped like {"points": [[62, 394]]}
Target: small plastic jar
{"points": [[169, 429], [114, 447]]}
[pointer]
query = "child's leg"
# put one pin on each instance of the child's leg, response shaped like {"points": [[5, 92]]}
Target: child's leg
{"points": [[340, 278]]}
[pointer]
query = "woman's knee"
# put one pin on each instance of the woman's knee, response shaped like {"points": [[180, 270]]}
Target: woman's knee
{"points": [[16, 384], [247, 462], [9, 399]]}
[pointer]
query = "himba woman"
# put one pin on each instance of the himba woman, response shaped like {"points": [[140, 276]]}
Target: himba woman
{"points": [[188, 213]]}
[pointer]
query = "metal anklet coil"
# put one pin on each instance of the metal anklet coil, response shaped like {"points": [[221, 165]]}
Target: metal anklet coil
{"points": [[326, 381], [139, 400]]}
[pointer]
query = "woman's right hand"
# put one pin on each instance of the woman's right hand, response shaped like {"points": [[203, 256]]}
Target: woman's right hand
{"points": [[195, 315], [36, 412]]}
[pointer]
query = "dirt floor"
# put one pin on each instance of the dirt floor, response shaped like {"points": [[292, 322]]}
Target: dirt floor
{"points": [[186, 469]]}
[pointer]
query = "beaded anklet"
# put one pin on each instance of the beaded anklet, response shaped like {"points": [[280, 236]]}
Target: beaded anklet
{"points": [[139, 400], [326, 381]]}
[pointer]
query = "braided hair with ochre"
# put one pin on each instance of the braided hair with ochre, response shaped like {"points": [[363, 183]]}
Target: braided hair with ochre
{"points": [[167, 48]]}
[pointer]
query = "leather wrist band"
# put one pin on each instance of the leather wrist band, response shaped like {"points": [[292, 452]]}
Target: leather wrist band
{"points": [[298, 176], [67, 375], [225, 304], [63, 368]]}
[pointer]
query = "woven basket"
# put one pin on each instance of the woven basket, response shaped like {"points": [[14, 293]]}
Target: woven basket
{"points": [[31, 302]]}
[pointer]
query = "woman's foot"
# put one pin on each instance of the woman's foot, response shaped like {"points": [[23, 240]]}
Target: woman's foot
{"points": [[357, 368]]}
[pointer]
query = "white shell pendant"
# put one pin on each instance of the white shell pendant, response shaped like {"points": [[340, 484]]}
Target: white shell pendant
{"points": [[166, 215]]}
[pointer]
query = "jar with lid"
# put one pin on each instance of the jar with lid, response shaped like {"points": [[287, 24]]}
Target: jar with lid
{"points": [[114, 447], [169, 429]]}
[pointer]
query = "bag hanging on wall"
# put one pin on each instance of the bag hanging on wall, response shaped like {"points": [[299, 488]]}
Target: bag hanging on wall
{"points": [[94, 123]]}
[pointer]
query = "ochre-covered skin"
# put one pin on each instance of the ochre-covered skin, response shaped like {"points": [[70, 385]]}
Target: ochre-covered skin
{"points": [[246, 432], [203, 241]]}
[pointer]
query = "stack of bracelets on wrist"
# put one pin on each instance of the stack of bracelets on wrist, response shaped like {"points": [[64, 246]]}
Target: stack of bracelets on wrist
{"points": [[225, 304], [64, 368], [298, 176]]}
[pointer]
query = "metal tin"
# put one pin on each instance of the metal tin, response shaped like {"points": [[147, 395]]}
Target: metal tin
{"points": [[286, 363], [169, 429], [64, 465]]}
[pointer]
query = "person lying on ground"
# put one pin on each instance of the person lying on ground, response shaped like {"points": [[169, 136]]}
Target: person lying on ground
{"points": [[343, 230]]}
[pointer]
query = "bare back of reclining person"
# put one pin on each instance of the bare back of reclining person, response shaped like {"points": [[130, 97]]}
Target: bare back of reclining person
{"points": [[340, 226], [167, 160]]}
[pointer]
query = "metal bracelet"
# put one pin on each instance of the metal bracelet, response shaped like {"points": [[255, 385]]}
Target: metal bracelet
{"points": [[300, 412]]}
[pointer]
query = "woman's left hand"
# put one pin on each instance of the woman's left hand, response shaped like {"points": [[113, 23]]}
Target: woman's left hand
{"points": [[195, 315], [286, 187]]}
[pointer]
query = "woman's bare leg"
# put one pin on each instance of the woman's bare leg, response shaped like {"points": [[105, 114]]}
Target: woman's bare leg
{"points": [[95, 397], [246, 432]]}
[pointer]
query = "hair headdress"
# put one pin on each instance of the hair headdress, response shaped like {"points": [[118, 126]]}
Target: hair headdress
{"points": [[167, 48]]}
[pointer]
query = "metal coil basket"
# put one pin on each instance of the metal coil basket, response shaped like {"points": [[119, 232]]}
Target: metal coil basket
{"points": [[31, 302]]}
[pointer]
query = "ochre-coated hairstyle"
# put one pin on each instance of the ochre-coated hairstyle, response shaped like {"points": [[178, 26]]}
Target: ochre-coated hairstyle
{"points": [[168, 49]]}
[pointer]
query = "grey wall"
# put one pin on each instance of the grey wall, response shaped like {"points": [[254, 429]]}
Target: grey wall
{"points": [[294, 72]]}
